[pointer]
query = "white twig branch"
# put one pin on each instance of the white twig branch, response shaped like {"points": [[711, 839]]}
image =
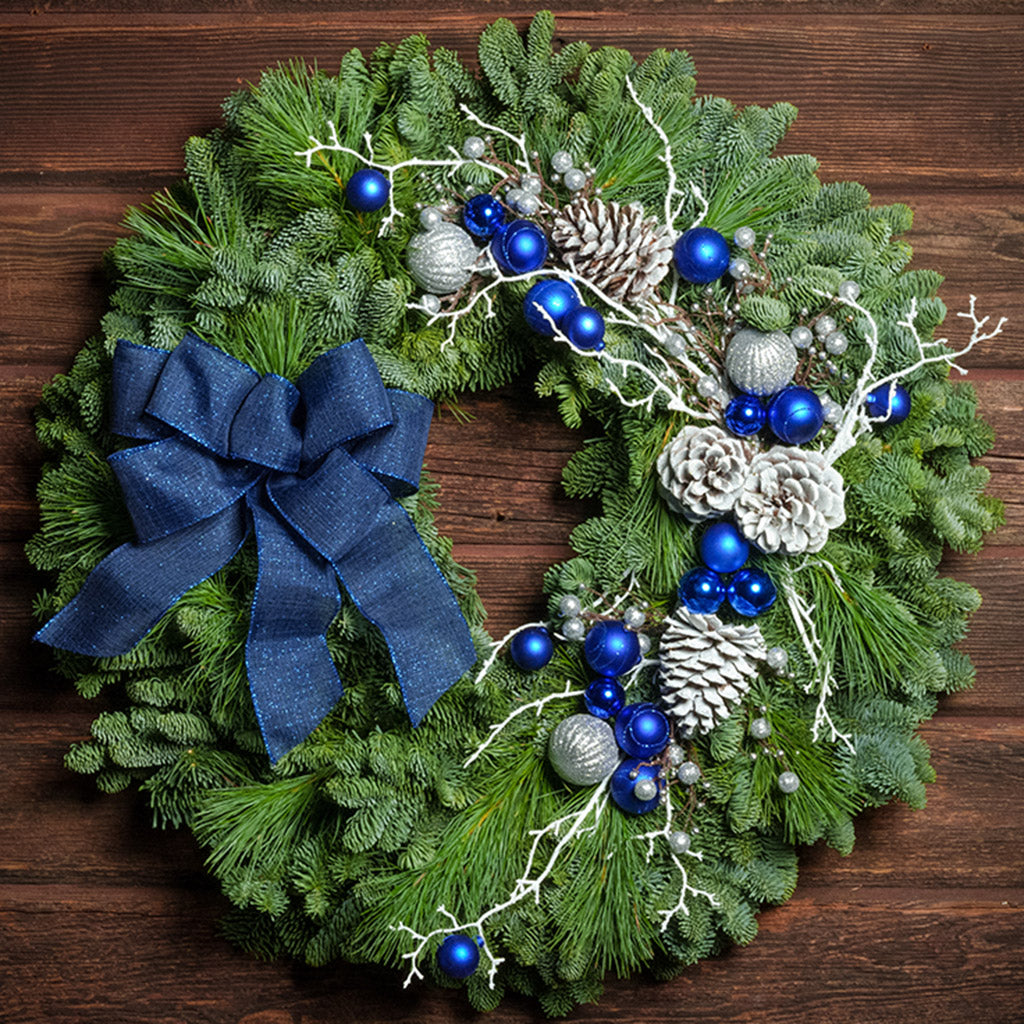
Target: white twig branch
{"points": [[519, 140]]}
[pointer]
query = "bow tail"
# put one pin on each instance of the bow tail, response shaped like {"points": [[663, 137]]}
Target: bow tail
{"points": [[292, 677], [394, 582], [125, 596]]}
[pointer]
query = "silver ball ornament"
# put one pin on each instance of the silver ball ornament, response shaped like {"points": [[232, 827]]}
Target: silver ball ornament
{"points": [[528, 205], [739, 268], [777, 658], [574, 629], [574, 179], [441, 260], [645, 644], [688, 773], [801, 336], [760, 364], [824, 326], [789, 782], [570, 605], [831, 410], [634, 617], [835, 343], [645, 789], [582, 750], [675, 754], [474, 147], [745, 237], [679, 842], [760, 728], [707, 387], [849, 290], [530, 184], [430, 217], [431, 303], [514, 196], [561, 161]]}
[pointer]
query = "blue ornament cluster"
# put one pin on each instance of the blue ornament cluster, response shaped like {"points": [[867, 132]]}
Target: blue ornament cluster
{"points": [[794, 415], [553, 305], [724, 550]]}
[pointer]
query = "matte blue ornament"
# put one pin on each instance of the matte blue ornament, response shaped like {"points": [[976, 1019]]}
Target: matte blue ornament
{"points": [[483, 215], [556, 297], [604, 697], [745, 415], [877, 404], [795, 415], [722, 548], [584, 327], [641, 730], [611, 649], [458, 956], [519, 247], [702, 591], [751, 592], [622, 786], [701, 255], [367, 190], [532, 648]]}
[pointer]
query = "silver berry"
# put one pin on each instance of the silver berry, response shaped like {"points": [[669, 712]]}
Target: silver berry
{"points": [[831, 410], [836, 343], [528, 205], [675, 754], [574, 179], [739, 268], [678, 842], [431, 303], [474, 147], [515, 196], [574, 629], [430, 217], [849, 290], [707, 387], [744, 237], [570, 605], [777, 658], [634, 617], [530, 184], [801, 336], [688, 773], [824, 327], [760, 728], [645, 643], [789, 782], [645, 789], [561, 161]]}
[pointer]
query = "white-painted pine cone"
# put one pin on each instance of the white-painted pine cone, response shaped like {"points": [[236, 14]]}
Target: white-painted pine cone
{"points": [[706, 668], [701, 472], [614, 247], [790, 500]]}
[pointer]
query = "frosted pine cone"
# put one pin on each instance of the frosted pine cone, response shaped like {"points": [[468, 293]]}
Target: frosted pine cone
{"points": [[791, 498], [706, 668], [702, 471], [613, 247]]}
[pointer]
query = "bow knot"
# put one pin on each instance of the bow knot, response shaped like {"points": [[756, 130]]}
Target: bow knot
{"points": [[313, 469]]}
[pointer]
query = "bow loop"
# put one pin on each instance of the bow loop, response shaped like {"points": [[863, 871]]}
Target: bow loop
{"points": [[265, 430]]}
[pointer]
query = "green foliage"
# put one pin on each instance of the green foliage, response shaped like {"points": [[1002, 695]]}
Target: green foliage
{"points": [[369, 823]]}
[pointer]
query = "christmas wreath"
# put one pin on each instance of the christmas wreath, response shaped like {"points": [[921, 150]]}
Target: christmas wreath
{"points": [[736, 660]]}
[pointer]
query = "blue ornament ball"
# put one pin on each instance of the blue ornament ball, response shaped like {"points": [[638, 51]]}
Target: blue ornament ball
{"points": [[722, 548], [702, 591], [483, 215], [745, 415], [611, 649], [557, 298], [795, 415], [584, 327], [604, 697], [458, 956], [519, 247], [367, 190], [878, 404], [532, 648], [751, 592], [701, 255], [641, 730], [622, 786]]}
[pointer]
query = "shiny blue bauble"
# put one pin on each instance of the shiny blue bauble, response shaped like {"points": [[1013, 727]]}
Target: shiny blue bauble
{"points": [[751, 592], [877, 404], [611, 649], [702, 591], [745, 415], [622, 786], [701, 255], [367, 190], [795, 415], [557, 298], [641, 730], [532, 648], [483, 215], [604, 697], [519, 247], [584, 327], [722, 548], [458, 956]]}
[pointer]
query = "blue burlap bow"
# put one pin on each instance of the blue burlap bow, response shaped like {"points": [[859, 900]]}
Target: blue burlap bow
{"points": [[314, 468]]}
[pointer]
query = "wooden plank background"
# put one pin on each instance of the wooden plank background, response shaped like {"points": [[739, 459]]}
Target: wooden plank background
{"points": [[104, 920]]}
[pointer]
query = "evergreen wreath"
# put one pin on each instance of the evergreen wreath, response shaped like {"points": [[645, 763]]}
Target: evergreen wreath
{"points": [[761, 383]]}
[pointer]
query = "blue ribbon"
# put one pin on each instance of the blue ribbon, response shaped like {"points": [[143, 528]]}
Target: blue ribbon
{"points": [[313, 468]]}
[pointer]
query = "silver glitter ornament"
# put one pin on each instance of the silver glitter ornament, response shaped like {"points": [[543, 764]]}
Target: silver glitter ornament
{"points": [[645, 789], [675, 754], [825, 326], [760, 364], [777, 658], [678, 842], [530, 184], [801, 336], [634, 617], [582, 749], [789, 782], [431, 303], [574, 629], [474, 147], [835, 343], [528, 205], [441, 260], [570, 605], [574, 179], [760, 728], [744, 237], [707, 387], [688, 773], [849, 290], [561, 161]]}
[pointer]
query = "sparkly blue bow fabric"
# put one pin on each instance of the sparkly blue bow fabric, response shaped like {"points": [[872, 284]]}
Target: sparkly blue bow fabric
{"points": [[313, 468]]}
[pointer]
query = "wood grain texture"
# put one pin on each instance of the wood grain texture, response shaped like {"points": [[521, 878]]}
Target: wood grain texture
{"points": [[103, 919]]}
